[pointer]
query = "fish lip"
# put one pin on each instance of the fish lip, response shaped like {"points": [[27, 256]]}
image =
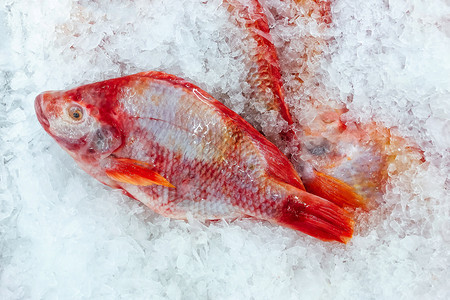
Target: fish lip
{"points": [[42, 118]]}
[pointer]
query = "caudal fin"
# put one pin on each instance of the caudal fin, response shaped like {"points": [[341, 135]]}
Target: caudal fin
{"points": [[334, 190], [316, 217]]}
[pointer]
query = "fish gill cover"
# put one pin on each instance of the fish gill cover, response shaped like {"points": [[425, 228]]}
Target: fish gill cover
{"points": [[63, 235]]}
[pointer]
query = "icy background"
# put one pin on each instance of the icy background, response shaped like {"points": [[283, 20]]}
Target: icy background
{"points": [[64, 235]]}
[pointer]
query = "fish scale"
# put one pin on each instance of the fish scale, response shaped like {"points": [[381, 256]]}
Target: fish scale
{"points": [[224, 171], [205, 172]]}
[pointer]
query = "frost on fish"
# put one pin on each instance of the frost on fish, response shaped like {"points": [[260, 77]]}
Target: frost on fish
{"points": [[180, 152]]}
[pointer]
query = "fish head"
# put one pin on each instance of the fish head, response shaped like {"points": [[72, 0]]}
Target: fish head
{"points": [[81, 121]]}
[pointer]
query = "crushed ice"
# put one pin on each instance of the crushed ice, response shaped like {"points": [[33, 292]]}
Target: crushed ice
{"points": [[63, 235]]}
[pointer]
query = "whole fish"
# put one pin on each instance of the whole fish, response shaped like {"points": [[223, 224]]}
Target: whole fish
{"points": [[172, 146]]}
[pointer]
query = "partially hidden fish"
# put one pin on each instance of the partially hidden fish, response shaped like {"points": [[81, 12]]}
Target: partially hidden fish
{"points": [[264, 76], [345, 162], [364, 153], [172, 146]]}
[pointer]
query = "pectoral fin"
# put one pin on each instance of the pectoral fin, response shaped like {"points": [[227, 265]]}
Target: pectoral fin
{"points": [[135, 172]]}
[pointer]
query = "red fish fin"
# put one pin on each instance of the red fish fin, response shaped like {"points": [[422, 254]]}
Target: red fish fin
{"points": [[334, 190], [135, 172], [316, 217]]}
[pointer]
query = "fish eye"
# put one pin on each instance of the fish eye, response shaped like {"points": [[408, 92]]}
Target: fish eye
{"points": [[76, 113]]}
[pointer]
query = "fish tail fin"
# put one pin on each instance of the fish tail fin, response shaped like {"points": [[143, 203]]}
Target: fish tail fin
{"points": [[334, 190], [316, 217]]}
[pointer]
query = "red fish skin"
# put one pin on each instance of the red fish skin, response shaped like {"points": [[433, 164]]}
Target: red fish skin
{"points": [[220, 165], [269, 74], [265, 75]]}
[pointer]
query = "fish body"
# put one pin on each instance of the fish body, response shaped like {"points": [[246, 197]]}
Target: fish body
{"points": [[173, 147]]}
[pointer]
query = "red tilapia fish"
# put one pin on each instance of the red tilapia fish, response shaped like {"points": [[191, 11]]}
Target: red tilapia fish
{"points": [[172, 146]]}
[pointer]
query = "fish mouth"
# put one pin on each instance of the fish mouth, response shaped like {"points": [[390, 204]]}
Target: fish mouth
{"points": [[42, 118]]}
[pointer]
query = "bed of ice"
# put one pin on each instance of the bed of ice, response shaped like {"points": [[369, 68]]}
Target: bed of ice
{"points": [[64, 235]]}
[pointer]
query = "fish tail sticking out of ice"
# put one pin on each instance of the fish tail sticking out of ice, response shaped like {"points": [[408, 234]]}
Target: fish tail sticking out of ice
{"points": [[265, 78], [170, 145]]}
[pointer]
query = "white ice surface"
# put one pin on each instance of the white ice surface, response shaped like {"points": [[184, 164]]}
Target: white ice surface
{"points": [[65, 236]]}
